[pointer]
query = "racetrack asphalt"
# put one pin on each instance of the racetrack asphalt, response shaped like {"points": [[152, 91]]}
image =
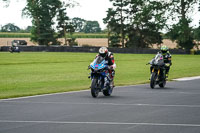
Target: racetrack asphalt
{"points": [[130, 109]]}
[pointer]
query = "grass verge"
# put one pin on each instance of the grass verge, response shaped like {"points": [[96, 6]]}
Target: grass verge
{"points": [[30, 73]]}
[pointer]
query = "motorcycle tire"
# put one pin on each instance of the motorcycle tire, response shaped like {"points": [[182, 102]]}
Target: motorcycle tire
{"points": [[94, 90], [162, 85], [109, 90], [153, 80]]}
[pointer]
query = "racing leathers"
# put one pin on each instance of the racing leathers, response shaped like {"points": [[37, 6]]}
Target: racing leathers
{"points": [[109, 58], [168, 62]]}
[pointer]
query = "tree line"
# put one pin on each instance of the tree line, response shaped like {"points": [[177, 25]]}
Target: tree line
{"points": [[10, 27], [140, 23], [46, 14], [75, 25], [78, 25], [130, 23]]}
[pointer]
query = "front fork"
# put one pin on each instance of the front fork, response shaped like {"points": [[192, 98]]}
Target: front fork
{"points": [[154, 70], [99, 81], [102, 80], [158, 73]]}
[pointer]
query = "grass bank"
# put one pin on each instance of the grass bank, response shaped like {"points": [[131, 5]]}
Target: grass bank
{"points": [[31, 73]]}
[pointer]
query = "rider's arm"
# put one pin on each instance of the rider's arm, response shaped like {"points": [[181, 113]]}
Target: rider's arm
{"points": [[112, 59], [169, 59], [96, 56], [113, 65]]}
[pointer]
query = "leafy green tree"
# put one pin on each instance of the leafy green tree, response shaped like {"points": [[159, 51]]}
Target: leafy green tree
{"points": [[28, 29], [147, 19], [114, 38], [43, 13], [182, 32], [78, 24], [91, 27], [197, 34], [65, 25], [62, 23], [115, 19], [10, 28], [137, 22]]}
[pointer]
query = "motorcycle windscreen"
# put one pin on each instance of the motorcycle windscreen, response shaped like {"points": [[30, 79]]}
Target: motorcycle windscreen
{"points": [[99, 60], [98, 63], [159, 60]]}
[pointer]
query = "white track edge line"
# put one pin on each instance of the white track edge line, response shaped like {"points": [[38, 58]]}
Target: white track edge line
{"points": [[101, 123], [187, 78], [197, 77], [110, 104], [42, 95], [60, 93]]}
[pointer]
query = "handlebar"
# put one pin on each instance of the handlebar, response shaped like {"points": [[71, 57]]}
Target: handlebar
{"points": [[148, 63]]}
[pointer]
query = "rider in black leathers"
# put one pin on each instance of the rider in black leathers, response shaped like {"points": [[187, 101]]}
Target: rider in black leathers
{"points": [[164, 50]]}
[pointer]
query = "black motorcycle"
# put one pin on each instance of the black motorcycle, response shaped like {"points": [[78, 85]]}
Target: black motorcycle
{"points": [[158, 71]]}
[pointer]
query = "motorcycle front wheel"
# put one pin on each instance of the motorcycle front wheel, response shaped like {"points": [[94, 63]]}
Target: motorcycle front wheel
{"points": [[153, 80], [94, 89]]}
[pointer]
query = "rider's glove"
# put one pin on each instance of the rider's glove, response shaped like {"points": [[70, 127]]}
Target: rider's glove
{"points": [[110, 67], [167, 64], [88, 67]]}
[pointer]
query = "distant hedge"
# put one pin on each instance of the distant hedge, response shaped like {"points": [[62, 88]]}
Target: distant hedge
{"points": [[76, 35], [14, 35], [28, 35]]}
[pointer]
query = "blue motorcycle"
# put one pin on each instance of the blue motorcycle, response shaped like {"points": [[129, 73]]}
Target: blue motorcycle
{"points": [[100, 77]]}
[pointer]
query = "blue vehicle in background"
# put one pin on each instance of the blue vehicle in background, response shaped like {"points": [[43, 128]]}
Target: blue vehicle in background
{"points": [[99, 75]]}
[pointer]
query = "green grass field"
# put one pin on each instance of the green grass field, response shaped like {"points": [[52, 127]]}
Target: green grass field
{"points": [[76, 35], [32, 73]]}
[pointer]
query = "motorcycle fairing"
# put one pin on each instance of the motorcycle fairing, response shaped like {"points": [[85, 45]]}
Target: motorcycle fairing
{"points": [[98, 63]]}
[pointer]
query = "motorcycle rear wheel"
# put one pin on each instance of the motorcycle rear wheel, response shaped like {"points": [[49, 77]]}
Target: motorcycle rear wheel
{"points": [[94, 90], [109, 90], [153, 80], [162, 85]]}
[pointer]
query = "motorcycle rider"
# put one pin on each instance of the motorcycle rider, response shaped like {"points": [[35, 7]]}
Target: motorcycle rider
{"points": [[164, 50], [13, 46], [108, 56]]}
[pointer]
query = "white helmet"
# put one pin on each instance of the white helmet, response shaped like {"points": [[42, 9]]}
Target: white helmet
{"points": [[103, 51]]}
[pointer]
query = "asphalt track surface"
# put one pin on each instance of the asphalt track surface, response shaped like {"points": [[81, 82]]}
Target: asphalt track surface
{"points": [[131, 109]]}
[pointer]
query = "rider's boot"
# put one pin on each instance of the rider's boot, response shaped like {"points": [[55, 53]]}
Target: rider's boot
{"points": [[106, 81], [166, 76]]}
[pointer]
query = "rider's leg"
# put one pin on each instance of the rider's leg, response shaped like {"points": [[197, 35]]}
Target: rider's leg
{"points": [[106, 79], [167, 72]]}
